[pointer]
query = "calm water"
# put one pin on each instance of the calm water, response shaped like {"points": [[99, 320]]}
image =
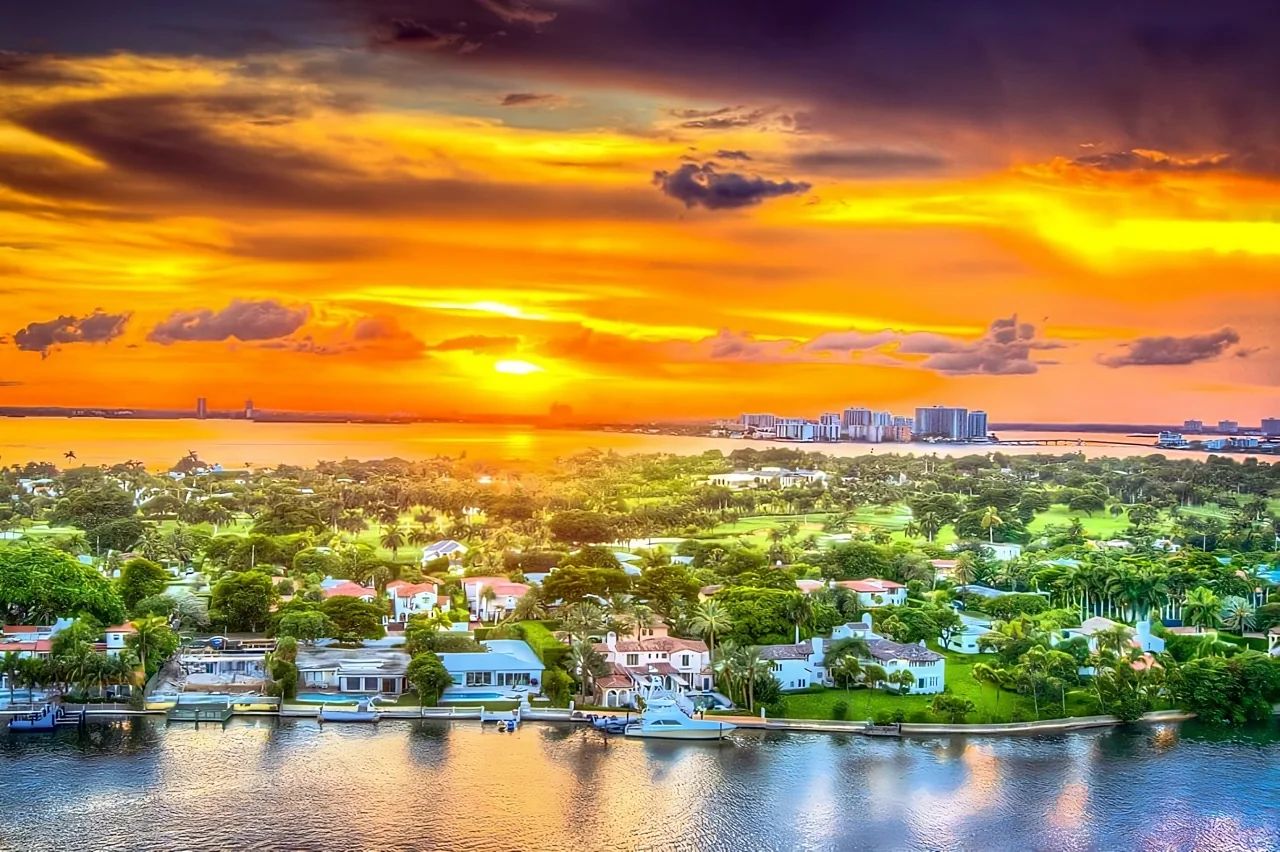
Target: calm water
{"points": [[233, 443], [429, 785]]}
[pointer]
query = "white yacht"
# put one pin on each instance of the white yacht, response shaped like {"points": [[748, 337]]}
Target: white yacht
{"points": [[671, 718]]}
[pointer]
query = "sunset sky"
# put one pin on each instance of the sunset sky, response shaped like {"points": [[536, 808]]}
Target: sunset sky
{"points": [[643, 209]]}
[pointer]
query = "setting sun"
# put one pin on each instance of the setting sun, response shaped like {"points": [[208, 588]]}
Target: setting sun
{"points": [[516, 367]]}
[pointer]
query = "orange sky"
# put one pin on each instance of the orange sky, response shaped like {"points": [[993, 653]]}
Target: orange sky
{"points": [[336, 227]]}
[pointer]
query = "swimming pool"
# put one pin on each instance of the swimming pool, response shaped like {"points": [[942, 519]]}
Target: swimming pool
{"points": [[457, 697], [331, 698]]}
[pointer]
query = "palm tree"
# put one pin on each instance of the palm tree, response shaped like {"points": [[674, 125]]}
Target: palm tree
{"points": [[147, 637], [711, 620], [583, 619], [1237, 614], [392, 538], [984, 673], [587, 664], [873, 675], [847, 669], [801, 612], [1201, 608], [991, 520], [904, 679], [643, 616], [964, 570]]}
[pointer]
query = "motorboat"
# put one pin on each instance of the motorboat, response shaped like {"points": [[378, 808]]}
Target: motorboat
{"points": [[44, 720], [666, 718], [364, 712], [609, 724]]}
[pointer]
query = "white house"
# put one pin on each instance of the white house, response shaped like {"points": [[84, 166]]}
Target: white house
{"points": [[796, 666], [115, 638], [507, 663], [966, 640], [873, 592], [492, 598], [353, 670], [1140, 637], [411, 599], [799, 666], [652, 663], [1273, 641], [444, 549]]}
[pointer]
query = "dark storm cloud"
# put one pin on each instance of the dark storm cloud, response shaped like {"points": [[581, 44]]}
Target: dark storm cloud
{"points": [[868, 162], [97, 327], [724, 154], [702, 185], [1003, 350], [407, 31], [516, 99], [1170, 351], [168, 153], [241, 320], [1151, 161], [1178, 76]]}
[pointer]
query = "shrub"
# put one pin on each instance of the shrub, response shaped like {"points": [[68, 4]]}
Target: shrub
{"points": [[883, 717], [840, 710]]}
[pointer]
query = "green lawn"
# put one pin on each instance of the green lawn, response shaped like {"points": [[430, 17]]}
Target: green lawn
{"points": [[1103, 525], [866, 704]]}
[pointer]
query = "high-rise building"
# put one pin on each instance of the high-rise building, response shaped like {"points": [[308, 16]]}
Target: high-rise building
{"points": [[856, 417], [829, 427], [202, 408], [1194, 427], [941, 421], [248, 409], [1228, 427], [881, 418], [902, 420], [1271, 427], [796, 429], [759, 421], [977, 424]]}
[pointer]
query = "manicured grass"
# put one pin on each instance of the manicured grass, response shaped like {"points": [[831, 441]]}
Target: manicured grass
{"points": [[866, 704], [1103, 525]]}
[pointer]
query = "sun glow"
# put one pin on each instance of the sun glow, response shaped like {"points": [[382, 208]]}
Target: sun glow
{"points": [[516, 367]]}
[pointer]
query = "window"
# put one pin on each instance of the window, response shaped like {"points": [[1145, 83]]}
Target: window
{"points": [[371, 684], [684, 661], [479, 678], [633, 659], [513, 678]]}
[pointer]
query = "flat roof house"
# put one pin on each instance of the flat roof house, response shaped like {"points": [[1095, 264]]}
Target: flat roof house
{"points": [[506, 663], [445, 549], [353, 670]]}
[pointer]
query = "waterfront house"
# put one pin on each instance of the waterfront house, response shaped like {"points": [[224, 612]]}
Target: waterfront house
{"points": [[504, 664], [926, 666], [348, 589], [411, 599], [796, 666], [492, 598], [873, 592], [446, 549], [1140, 637], [642, 666], [353, 670], [1273, 641]]}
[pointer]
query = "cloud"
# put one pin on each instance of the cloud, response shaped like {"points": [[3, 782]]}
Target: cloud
{"points": [[411, 33], [868, 162], [702, 185], [241, 320], [520, 99], [849, 341], [517, 11], [725, 154], [1142, 159], [1172, 351], [476, 343], [1004, 349], [730, 118], [97, 327]]}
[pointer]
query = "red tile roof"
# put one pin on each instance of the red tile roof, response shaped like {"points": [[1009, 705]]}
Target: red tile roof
{"points": [[12, 629], [872, 586], [657, 643], [40, 646], [121, 628], [401, 589], [349, 589]]}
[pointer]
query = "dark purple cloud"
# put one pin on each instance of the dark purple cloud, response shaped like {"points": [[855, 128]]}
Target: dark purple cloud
{"points": [[868, 162], [1172, 351], [703, 186], [725, 154], [1152, 161], [240, 320], [1003, 350], [97, 327]]}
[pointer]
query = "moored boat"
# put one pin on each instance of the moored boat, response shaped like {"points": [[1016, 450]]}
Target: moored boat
{"points": [[664, 718], [45, 719]]}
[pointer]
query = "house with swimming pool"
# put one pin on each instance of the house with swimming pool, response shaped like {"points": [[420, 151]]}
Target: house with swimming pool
{"points": [[364, 671], [504, 667]]}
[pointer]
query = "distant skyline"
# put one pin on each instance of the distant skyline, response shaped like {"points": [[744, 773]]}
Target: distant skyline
{"points": [[643, 210]]}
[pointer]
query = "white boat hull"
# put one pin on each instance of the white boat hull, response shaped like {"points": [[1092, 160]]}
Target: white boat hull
{"points": [[707, 733]]}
